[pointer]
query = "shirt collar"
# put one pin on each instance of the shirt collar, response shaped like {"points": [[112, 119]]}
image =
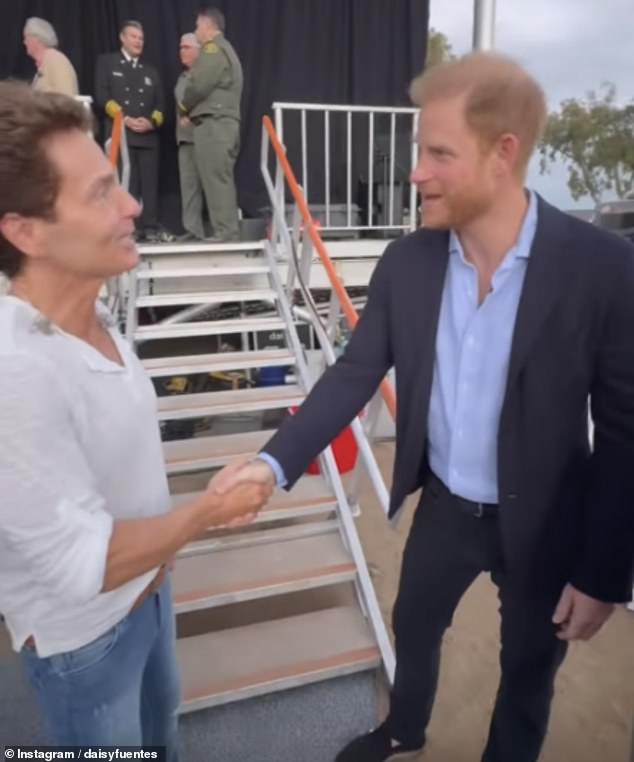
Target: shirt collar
{"points": [[38, 323], [522, 247], [128, 57]]}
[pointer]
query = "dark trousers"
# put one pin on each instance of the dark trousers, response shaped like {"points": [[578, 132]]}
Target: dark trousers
{"points": [[144, 171], [446, 550]]}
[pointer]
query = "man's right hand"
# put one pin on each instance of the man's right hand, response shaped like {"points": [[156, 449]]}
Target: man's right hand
{"points": [[239, 503], [241, 473]]}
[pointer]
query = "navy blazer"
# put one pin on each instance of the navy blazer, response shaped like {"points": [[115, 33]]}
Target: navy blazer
{"points": [[566, 511]]}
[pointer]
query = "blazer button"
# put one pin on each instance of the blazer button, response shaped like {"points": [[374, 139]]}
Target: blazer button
{"points": [[143, 104], [511, 496]]}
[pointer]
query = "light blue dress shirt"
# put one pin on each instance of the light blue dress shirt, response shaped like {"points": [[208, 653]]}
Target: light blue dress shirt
{"points": [[278, 471], [473, 348]]}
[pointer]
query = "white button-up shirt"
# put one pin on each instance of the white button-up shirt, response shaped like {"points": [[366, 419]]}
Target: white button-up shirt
{"points": [[79, 449]]}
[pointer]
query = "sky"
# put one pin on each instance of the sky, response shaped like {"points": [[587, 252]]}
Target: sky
{"points": [[570, 46]]}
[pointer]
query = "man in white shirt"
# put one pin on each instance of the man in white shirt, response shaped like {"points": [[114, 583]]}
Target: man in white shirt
{"points": [[86, 535]]}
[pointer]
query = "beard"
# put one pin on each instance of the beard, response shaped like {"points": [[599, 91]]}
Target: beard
{"points": [[456, 210]]}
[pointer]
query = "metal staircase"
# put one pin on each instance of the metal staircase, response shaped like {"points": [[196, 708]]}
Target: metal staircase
{"points": [[288, 600]]}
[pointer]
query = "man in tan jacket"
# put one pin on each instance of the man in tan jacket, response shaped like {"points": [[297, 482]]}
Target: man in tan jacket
{"points": [[55, 73]]}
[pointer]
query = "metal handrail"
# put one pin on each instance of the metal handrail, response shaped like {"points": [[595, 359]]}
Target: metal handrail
{"points": [[353, 109], [389, 203], [350, 537], [348, 529], [351, 314]]}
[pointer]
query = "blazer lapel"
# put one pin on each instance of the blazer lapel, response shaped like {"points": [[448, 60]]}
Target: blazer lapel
{"points": [[544, 284], [427, 291]]}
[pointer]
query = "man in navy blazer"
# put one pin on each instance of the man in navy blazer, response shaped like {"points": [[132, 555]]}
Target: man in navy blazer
{"points": [[504, 318]]}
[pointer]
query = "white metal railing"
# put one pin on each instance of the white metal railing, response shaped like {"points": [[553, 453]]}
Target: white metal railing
{"points": [[384, 203], [292, 241], [298, 277], [299, 247], [350, 537]]}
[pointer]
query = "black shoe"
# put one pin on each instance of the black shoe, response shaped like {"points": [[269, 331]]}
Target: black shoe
{"points": [[377, 746]]}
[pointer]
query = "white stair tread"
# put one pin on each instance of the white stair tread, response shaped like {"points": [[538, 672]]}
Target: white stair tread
{"points": [[309, 495], [243, 537], [364, 248], [211, 452], [193, 271], [177, 406], [208, 328], [226, 575], [206, 297], [217, 362], [202, 247], [242, 662]]}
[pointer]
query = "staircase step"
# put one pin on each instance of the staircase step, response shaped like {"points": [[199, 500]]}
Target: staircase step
{"points": [[216, 363], [309, 496], [225, 538], [207, 297], [228, 574], [155, 273], [199, 247], [203, 453], [179, 406], [242, 662], [208, 328]]}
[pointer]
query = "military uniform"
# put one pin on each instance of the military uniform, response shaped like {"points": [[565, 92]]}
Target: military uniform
{"points": [[191, 187], [212, 101], [135, 88]]}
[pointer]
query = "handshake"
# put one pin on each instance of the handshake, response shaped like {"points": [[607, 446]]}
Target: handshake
{"points": [[242, 490]]}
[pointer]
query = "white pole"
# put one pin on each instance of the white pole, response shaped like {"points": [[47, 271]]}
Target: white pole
{"points": [[484, 24]]}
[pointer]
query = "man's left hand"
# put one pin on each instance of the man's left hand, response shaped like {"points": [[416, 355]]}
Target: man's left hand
{"points": [[579, 616]]}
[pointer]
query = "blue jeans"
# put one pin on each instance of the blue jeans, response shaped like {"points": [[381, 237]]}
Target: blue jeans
{"points": [[120, 690]]}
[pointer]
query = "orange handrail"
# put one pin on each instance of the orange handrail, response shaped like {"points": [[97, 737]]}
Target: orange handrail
{"points": [[352, 316], [115, 144]]}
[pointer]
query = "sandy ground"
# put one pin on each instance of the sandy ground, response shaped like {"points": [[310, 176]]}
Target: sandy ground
{"points": [[594, 704]]}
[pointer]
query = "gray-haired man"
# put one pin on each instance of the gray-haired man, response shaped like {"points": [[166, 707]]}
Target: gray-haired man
{"points": [[191, 187], [55, 73]]}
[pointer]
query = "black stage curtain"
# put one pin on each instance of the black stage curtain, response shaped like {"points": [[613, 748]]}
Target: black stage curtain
{"points": [[361, 52]]}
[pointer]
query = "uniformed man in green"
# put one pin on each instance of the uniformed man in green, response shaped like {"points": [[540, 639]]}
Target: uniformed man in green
{"points": [[212, 102], [191, 187]]}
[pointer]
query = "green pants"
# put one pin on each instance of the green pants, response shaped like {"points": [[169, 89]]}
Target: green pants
{"points": [[191, 191], [216, 148]]}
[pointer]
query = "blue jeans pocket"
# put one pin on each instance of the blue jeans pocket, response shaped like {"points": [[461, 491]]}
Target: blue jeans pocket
{"points": [[89, 656]]}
